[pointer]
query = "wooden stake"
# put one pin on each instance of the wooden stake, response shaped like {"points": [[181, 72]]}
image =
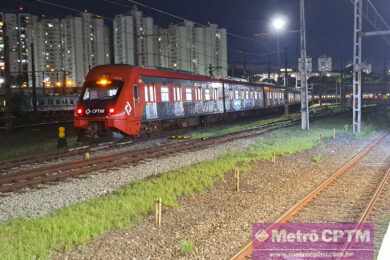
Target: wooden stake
{"points": [[334, 133], [159, 211], [274, 157], [237, 177]]}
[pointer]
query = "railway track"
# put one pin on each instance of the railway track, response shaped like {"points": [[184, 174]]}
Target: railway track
{"points": [[35, 177], [15, 165], [41, 158], [12, 180], [314, 205]]}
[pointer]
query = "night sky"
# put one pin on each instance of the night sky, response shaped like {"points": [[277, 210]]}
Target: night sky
{"points": [[329, 24]]}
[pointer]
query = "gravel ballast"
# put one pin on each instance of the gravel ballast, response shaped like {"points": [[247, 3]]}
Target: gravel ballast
{"points": [[217, 222], [40, 202]]}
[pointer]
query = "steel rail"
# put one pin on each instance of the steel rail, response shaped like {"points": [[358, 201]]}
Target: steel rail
{"points": [[370, 206], [247, 250], [58, 172], [8, 165], [13, 164]]}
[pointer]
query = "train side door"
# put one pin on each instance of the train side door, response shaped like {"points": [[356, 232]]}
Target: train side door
{"points": [[134, 107]]}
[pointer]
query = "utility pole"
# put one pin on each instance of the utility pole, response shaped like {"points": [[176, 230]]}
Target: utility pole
{"points": [[285, 81], [357, 66], [303, 71]]}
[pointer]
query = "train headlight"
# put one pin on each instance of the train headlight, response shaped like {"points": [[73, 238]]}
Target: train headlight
{"points": [[104, 81], [111, 110], [79, 111]]}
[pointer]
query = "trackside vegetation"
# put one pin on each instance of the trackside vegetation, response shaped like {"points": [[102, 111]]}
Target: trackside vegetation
{"points": [[38, 238]]}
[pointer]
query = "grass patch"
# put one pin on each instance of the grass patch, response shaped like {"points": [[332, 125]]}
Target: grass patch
{"points": [[77, 224], [218, 131], [186, 247]]}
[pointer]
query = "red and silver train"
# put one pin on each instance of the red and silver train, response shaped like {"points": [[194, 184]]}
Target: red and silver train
{"points": [[130, 100]]}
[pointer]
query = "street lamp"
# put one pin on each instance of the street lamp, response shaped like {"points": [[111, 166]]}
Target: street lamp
{"points": [[278, 25]]}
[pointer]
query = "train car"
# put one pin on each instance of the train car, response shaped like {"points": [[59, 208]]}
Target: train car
{"points": [[130, 100]]}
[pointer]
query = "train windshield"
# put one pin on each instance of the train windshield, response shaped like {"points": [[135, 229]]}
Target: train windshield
{"points": [[94, 91]]}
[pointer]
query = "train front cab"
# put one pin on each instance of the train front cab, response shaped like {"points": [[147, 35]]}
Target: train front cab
{"points": [[109, 101]]}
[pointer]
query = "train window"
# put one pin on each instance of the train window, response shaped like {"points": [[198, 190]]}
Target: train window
{"points": [[93, 91], [147, 94], [177, 94], [152, 93], [236, 94], [198, 94], [188, 94], [207, 94], [231, 94], [164, 94]]}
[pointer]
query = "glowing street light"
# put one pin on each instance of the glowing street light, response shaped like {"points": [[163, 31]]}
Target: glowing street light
{"points": [[278, 23]]}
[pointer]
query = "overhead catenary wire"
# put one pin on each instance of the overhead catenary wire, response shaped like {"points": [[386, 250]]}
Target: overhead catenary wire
{"points": [[185, 19], [181, 19], [379, 15], [372, 23]]}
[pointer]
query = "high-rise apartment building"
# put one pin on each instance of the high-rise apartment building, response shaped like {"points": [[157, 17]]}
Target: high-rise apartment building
{"points": [[65, 49], [123, 33], [95, 45], [48, 51], [73, 52], [16, 27], [185, 46], [134, 39]]}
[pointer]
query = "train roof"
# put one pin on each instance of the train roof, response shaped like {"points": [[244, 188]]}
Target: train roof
{"points": [[169, 73]]}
